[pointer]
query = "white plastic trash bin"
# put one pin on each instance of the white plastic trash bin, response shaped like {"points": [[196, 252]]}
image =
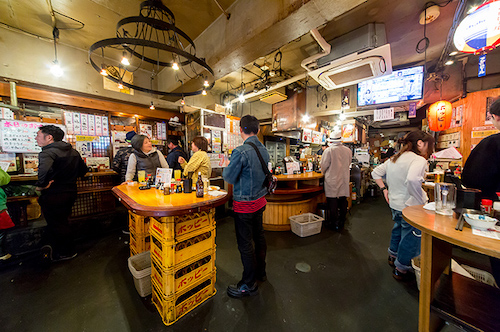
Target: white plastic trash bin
{"points": [[140, 267]]}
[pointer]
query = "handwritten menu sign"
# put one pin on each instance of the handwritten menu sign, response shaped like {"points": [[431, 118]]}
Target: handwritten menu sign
{"points": [[84, 124], [91, 125], [19, 136]]}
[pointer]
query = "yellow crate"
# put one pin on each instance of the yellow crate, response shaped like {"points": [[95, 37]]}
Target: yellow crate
{"points": [[179, 278], [173, 307], [171, 253], [140, 242], [138, 224], [132, 252], [169, 228]]}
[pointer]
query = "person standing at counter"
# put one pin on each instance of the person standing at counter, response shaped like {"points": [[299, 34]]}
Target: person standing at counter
{"points": [[175, 153], [322, 149], [482, 170], [199, 161], [335, 164], [59, 165], [249, 202], [404, 174], [120, 161], [145, 158]]}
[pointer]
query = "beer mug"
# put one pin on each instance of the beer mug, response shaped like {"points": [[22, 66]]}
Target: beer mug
{"points": [[141, 176], [445, 197]]}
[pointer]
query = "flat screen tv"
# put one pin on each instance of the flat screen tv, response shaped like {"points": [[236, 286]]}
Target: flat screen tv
{"points": [[401, 85]]}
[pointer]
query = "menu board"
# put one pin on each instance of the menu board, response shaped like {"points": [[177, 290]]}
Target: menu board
{"points": [[19, 136]]}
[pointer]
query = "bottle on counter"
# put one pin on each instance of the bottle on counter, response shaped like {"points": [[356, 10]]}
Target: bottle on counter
{"points": [[486, 206], [199, 186]]}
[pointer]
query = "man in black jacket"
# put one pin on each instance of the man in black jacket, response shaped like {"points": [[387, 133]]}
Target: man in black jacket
{"points": [[120, 161], [58, 168], [175, 153]]}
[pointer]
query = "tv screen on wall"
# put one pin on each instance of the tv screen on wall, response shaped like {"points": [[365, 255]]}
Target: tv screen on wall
{"points": [[401, 85]]}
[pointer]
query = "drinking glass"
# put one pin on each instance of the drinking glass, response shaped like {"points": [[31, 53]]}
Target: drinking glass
{"points": [[206, 183], [445, 197], [177, 174], [141, 176]]}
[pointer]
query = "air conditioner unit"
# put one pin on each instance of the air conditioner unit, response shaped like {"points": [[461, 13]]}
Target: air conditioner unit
{"points": [[354, 68]]}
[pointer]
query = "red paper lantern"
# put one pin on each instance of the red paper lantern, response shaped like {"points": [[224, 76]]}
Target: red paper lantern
{"points": [[439, 115]]}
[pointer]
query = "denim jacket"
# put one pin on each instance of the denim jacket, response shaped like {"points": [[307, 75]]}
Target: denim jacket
{"points": [[245, 171]]}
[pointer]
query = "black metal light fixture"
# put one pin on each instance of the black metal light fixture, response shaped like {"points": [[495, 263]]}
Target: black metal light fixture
{"points": [[152, 42]]}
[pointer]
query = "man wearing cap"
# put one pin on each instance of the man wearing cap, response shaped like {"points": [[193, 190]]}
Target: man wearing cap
{"points": [[120, 161], [175, 153], [335, 164]]}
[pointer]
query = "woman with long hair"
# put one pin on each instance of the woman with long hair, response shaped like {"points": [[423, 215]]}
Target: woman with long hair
{"points": [[404, 173], [145, 157], [199, 161]]}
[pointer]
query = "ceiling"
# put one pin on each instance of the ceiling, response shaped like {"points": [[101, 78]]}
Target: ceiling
{"points": [[99, 17]]}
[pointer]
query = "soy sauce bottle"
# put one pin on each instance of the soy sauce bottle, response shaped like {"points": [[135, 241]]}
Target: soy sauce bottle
{"points": [[199, 186]]}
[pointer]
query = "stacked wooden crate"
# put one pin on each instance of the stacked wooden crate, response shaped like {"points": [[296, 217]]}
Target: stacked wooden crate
{"points": [[183, 263], [140, 240]]}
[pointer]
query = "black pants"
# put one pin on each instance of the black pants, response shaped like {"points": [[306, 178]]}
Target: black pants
{"points": [[56, 208], [251, 244], [338, 211]]}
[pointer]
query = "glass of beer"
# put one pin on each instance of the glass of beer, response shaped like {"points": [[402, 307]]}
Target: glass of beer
{"points": [[177, 174], [141, 176], [439, 176]]}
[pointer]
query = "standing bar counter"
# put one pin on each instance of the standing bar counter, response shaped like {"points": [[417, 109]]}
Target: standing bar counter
{"points": [[295, 194], [179, 231]]}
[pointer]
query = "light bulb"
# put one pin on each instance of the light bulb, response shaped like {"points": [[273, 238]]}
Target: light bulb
{"points": [[241, 98], [125, 60], [342, 116], [183, 102], [120, 86], [56, 70], [152, 106], [449, 62], [305, 118], [104, 72], [453, 53], [206, 84], [204, 92], [229, 106], [175, 66]]}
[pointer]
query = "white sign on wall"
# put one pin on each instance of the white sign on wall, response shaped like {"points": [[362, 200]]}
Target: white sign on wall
{"points": [[383, 114], [19, 136]]}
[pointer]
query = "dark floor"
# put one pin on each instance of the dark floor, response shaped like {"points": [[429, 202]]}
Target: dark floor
{"points": [[349, 287]]}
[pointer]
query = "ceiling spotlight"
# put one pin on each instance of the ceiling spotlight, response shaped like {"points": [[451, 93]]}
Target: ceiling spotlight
{"points": [[120, 86], [125, 60], [204, 92], [453, 53], [255, 89], [206, 84], [241, 98], [449, 62], [183, 102], [152, 106], [103, 71], [175, 66], [339, 122], [272, 73], [305, 118], [342, 116], [229, 106], [56, 70]]}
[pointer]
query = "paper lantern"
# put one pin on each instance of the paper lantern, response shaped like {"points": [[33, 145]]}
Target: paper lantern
{"points": [[439, 115]]}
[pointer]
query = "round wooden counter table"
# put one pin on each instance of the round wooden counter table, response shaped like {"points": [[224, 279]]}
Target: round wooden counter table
{"points": [[438, 237], [152, 202], [295, 194]]}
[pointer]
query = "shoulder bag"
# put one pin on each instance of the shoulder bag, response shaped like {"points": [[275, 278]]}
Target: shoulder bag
{"points": [[270, 181]]}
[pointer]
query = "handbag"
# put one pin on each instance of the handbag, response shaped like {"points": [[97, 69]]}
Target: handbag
{"points": [[270, 181]]}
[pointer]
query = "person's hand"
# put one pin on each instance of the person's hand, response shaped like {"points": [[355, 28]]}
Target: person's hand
{"points": [[125, 182], [181, 160], [386, 195], [46, 187]]}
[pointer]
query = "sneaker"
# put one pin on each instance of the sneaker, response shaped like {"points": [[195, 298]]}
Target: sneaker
{"points": [[242, 290], [5, 257], [60, 258]]}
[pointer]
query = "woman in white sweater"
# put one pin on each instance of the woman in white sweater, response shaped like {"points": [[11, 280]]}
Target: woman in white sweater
{"points": [[404, 175]]}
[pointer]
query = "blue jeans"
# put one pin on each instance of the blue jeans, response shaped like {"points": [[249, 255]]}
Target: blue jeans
{"points": [[405, 242]]}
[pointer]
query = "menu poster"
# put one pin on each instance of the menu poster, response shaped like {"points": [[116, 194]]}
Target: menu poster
{"points": [[77, 124], [9, 160], [216, 141], [105, 126], [164, 130], [307, 135], [30, 163], [68, 120], [6, 113], [84, 129], [91, 125], [316, 137], [292, 167], [97, 162], [146, 130], [163, 175], [84, 148], [19, 136], [98, 125]]}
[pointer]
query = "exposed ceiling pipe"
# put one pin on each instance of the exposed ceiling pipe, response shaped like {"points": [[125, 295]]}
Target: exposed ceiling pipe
{"points": [[228, 15], [310, 62], [273, 87]]}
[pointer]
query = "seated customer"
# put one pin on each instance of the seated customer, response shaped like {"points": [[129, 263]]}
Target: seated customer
{"points": [[199, 162], [174, 154], [145, 158]]}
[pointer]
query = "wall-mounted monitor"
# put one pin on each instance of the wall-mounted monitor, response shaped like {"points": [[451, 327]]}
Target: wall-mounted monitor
{"points": [[401, 85]]}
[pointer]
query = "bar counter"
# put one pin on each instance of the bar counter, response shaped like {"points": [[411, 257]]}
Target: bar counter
{"points": [[153, 203], [295, 194]]}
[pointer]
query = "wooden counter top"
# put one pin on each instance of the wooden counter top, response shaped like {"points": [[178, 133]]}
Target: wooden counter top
{"points": [[152, 202], [298, 177]]}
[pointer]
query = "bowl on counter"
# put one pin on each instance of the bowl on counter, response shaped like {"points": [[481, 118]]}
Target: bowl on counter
{"points": [[479, 221]]}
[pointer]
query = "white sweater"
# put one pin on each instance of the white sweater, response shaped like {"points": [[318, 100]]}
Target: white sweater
{"points": [[404, 180]]}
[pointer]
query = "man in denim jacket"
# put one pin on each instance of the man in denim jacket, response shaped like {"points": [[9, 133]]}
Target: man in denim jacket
{"points": [[245, 173]]}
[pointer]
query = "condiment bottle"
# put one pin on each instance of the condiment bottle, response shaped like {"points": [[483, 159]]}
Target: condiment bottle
{"points": [[166, 189], [496, 210], [486, 206], [199, 186]]}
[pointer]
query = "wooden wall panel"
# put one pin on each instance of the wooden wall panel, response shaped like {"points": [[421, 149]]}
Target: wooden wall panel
{"points": [[474, 114]]}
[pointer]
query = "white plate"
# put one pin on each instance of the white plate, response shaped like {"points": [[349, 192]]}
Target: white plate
{"points": [[479, 221], [431, 206], [213, 188]]}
